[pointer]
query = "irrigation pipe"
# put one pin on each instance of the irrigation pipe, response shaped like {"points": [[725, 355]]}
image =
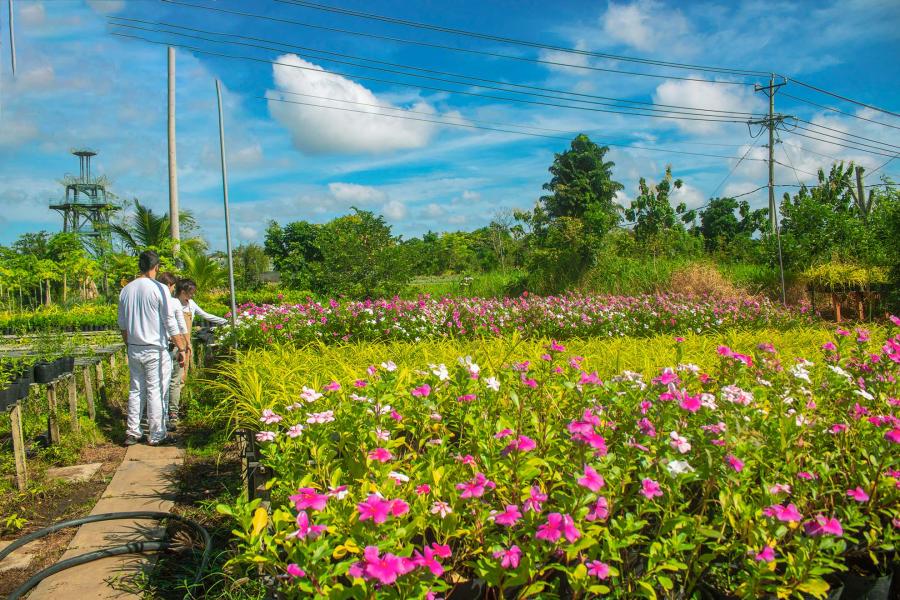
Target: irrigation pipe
{"points": [[130, 548]]}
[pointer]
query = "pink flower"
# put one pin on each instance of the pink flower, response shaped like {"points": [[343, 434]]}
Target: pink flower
{"points": [[475, 487], [441, 508], [427, 560], [385, 568], [468, 459], [591, 480], [360, 383], [508, 517], [690, 403], [265, 436], [680, 443], [734, 462], [589, 379], [858, 494], [838, 428], [466, 398], [331, 387], [378, 509], [893, 435], [293, 570], [824, 526], [786, 514], [767, 554], [423, 391], [305, 528], [509, 558], [598, 569], [780, 488], [600, 510], [556, 347], [295, 431], [650, 489], [558, 525], [829, 346], [423, 489], [380, 454], [269, 417], [503, 433], [523, 444], [806, 475], [535, 500], [308, 498]]}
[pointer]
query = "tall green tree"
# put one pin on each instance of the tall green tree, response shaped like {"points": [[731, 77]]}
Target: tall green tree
{"points": [[294, 251]]}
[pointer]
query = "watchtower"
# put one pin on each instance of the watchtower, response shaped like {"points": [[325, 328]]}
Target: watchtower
{"points": [[88, 204]]}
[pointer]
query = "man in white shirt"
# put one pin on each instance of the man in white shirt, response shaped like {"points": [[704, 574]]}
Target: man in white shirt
{"points": [[184, 293], [148, 323]]}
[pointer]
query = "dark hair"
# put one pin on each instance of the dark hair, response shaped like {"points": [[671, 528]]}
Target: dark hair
{"points": [[185, 285], [166, 278], [147, 261]]}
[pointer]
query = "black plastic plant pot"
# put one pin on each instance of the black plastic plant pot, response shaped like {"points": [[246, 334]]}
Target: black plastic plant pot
{"points": [[23, 389], [26, 376], [868, 588], [68, 364], [8, 398], [44, 372]]}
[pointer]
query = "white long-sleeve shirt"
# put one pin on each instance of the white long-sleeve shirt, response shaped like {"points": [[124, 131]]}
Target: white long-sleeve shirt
{"points": [[147, 315], [194, 310]]}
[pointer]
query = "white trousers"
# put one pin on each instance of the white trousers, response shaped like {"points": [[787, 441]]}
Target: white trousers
{"points": [[150, 369]]}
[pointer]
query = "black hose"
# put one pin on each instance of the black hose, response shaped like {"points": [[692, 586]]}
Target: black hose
{"points": [[130, 548], [97, 554]]}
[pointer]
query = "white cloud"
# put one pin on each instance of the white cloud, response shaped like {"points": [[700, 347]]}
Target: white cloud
{"points": [[248, 233], [352, 193], [645, 25], [321, 130], [16, 132], [567, 58], [394, 210], [432, 211], [30, 14], [106, 6], [691, 196], [470, 196], [699, 94]]}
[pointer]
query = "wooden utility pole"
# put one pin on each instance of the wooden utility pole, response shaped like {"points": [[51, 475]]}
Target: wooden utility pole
{"points": [[174, 225]]}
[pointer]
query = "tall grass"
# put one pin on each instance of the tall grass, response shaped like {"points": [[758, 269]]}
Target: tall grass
{"points": [[630, 276], [275, 376], [493, 284]]}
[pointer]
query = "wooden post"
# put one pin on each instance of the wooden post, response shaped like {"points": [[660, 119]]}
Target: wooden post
{"points": [[52, 424], [89, 391], [101, 384], [860, 306], [18, 440], [73, 402], [837, 306], [113, 367]]}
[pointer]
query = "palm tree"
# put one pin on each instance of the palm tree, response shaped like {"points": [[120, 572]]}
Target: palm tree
{"points": [[145, 229], [206, 272]]}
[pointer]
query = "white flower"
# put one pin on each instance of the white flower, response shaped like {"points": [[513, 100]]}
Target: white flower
{"points": [[679, 443], [389, 366], [708, 401], [800, 373], [382, 434], [841, 372], [864, 394], [440, 371], [309, 394], [321, 417], [492, 383], [398, 477], [441, 508], [679, 467], [359, 398]]}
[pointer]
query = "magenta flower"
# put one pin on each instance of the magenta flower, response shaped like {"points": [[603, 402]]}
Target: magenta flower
{"points": [[439, 507], [690, 403], [379, 509], [650, 489], [838, 428], [468, 459], [734, 462], [503, 433], [589, 378], [293, 570], [858, 494], [423, 391], [426, 559], [331, 387], [591, 479], [386, 569], [786, 514], [535, 500], [522, 444], [423, 489], [806, 475], [475, 488], [509, 558], [780, 488], [305, 529], [308, 498], [767, 554], [558, 525], [598, 569], [823, 526], [556, 347], [829, 346], [893, 435], [380, 454], [600, 510], [466, 398], [508, 517]]}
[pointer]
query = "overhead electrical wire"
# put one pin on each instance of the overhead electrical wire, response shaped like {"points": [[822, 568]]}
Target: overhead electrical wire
{"points": [[419, 86], [830, 136], [454, 48], [519, 42], [791, 132], [844, 133], [733, 169], [837, 110], [884, 164], [832, 94], [683, 109]]}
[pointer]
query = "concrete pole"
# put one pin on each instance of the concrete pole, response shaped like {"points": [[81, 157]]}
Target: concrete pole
{"points": [[772, 220], [174, 225], [227, 216], [12, 39]]}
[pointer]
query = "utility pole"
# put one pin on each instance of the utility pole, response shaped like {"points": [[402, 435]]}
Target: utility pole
{"points": [[227, 216], [770, 122], [174, 225], [12, 39]]}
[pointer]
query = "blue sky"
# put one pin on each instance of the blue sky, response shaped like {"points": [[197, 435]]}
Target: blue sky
{"points": [[78, 85]]}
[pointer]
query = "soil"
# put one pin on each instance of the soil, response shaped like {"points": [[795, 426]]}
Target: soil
{"points": [[51, 503]]}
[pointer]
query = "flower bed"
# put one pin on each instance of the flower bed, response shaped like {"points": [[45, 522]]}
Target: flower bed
{"points": [[561, 317], [758, 478]]}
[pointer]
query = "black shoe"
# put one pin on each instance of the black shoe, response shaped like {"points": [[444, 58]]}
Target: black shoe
{"points": [[130, 440], [166, 441]]}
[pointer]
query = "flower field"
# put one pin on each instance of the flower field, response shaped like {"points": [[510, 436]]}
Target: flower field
{"points": [[496, 475], [560, 317]]}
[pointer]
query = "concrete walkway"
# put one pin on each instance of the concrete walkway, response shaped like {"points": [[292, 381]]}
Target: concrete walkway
{"points": [[141, 483]]}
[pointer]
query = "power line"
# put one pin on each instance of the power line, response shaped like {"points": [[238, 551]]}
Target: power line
{"points": [[844, 133], [733, 169], [839, 111], [453, 48], [838, 96], [801, 148], [425, 87], [496, 129], [792, 132], [506, 40], [777, 162], [651, 105], [788, 156], [884, 164]]}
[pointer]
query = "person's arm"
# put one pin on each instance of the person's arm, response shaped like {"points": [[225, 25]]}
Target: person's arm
{"points": [[120, 320], [172, 326], [211, 318]]}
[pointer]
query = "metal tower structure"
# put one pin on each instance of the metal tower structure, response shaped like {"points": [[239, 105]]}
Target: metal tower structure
{"points": [[88, 204]]}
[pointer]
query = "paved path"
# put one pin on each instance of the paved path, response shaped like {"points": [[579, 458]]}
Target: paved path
{"points": [[142, 482]]}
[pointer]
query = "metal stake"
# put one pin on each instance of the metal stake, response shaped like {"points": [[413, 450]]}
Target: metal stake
{"points": [[227, 214]]}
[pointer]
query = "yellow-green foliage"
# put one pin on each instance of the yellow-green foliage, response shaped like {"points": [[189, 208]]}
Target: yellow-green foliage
{"points": [[275, 376], [840, 275]]}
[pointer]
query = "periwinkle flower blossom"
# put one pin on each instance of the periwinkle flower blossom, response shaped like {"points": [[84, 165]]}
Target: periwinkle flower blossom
{"points": [[679, 442], [558, 525], [269, 417], [309, 395], [650, 488], [591, 479], [509, 559], [321, 417], [265, 436]]}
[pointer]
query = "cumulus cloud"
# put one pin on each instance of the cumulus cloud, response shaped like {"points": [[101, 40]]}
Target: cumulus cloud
{"points": [[470, 196], [394, 210], [700, 94], [104, 7], [352, 193], [321, 131], [691, 196], [645, 25], [248, 233], [31, 14]]}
